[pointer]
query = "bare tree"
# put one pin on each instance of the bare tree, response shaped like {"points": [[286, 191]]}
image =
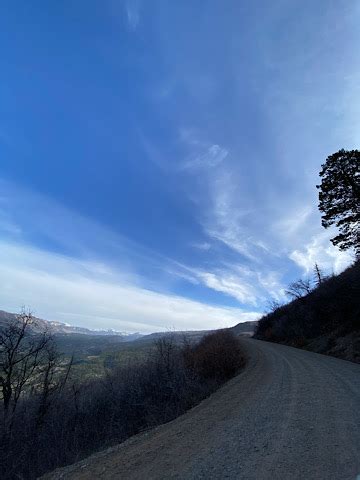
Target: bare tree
{"points": [[319, 275], [165, 348], [49, 379], [28, 360], [273, 305], [299, 289]]}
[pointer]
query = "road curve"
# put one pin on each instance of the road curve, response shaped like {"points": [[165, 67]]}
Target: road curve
{"points": [[290, 414]]}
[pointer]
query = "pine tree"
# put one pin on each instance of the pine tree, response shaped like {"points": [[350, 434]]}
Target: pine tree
{"points": [[339, 197]]}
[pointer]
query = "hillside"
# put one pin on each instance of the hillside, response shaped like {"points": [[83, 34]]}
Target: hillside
{"points": [[327, 320], [245, 328]]}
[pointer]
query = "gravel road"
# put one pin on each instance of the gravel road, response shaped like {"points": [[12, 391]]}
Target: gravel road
{"points": [[290, 414]]}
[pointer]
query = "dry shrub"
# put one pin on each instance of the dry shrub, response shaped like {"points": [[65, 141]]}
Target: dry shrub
{"points": [[217, 356]]}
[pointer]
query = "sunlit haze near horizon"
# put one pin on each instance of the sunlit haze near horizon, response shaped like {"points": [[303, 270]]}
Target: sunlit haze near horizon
{"points": [[159, 160]]}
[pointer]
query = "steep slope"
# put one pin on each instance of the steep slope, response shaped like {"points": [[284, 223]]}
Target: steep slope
{"points": [[326, 321]]}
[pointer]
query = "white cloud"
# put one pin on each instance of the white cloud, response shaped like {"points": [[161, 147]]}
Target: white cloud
{"points": [[247, 285], [319, 250], [92, 295], [230, 284]]}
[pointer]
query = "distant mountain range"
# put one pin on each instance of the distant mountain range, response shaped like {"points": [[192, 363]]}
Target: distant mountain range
{"points": [[59, 328]]}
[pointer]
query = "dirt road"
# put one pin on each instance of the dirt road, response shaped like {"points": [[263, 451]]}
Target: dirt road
{"points": [[291, 414]]}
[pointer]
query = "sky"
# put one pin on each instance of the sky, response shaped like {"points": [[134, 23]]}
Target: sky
{"points": [[159, 159]]}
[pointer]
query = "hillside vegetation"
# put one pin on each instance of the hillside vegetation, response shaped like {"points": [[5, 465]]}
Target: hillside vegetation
{"points": [[326, 320], [55, 423]]}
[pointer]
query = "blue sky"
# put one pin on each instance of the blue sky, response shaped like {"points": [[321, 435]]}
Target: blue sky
{"points": [[158, 159]]}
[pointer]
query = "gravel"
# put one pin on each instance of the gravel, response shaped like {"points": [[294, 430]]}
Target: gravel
{"points": [[290, 414]]}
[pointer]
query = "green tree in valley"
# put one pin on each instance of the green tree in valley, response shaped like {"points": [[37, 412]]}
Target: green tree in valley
{"points": [[339, 197]]}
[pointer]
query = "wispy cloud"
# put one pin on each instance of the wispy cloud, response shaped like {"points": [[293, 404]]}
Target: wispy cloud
{"points": [[295, 219], [210, 158], [202, 246], [230, 284], [64, 289], [264, 240], [229, 221], [132, 9], [294, 233], [33, 217], [249, 286], [202, 154], [99, 282]]}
